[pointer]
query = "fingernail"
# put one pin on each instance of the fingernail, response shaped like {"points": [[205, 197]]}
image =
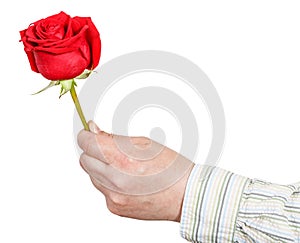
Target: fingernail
{"points": [[93, 127]]}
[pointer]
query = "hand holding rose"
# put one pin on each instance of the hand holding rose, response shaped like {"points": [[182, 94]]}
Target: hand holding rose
{"points": [[116, 174]]}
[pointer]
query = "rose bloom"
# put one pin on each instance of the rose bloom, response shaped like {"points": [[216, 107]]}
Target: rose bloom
{"points": [[60, 47]]}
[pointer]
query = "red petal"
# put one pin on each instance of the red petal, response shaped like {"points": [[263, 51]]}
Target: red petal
{"points": [[32, 61], [60, 66], [28, 51], [93, 38]]}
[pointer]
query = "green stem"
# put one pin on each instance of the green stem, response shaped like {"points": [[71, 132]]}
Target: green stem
{"points": [[78, 107]]}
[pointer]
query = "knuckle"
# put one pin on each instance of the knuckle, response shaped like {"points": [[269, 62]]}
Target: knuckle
{"points": [[119, 200], [142, 142], [145, 140], [82, 157], [95, 182], [82, 160], [82, 138], [113, 208], [86, 141]]}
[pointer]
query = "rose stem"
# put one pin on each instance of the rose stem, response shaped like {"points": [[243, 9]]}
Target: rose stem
{"points": [[78, 107]]}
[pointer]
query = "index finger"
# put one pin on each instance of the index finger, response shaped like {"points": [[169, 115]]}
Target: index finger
{"points": [[93, 144]]}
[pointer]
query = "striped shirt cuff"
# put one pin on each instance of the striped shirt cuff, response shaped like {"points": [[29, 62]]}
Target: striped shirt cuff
{"points": [[211, 204]]}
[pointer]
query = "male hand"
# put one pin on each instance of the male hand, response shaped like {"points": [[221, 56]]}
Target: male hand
{"points": [[139, 177]]}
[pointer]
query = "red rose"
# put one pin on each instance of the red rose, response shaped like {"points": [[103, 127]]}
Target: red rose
{"points": [[60, 47]]}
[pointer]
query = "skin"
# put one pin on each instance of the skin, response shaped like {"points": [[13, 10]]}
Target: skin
{"points": [[139, 178]]}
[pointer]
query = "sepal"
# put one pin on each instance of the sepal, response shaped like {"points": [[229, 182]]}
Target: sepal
{"points": [[66, 86], [51, 84], [86, 73]]}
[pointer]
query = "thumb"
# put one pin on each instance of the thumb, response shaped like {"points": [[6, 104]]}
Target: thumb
{"points": [[93, 127]]}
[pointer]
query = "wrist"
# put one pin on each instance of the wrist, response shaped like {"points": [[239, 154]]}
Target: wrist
{"points": [[181, 187]]}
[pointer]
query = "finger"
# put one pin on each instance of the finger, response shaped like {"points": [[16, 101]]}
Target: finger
{"points": [[105, 174], [83, 139], [101, 171], [104, 186], [94, 167], [93, 145]]}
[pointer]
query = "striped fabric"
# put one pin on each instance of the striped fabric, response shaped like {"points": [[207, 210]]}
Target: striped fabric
{"points": [[269, 213], [220, 206]]}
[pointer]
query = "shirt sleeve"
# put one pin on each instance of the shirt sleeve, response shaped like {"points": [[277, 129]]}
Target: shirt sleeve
{"points": [[220, 206]]}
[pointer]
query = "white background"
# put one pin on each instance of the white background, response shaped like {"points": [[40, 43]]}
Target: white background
{"points": [[249, 49]]}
